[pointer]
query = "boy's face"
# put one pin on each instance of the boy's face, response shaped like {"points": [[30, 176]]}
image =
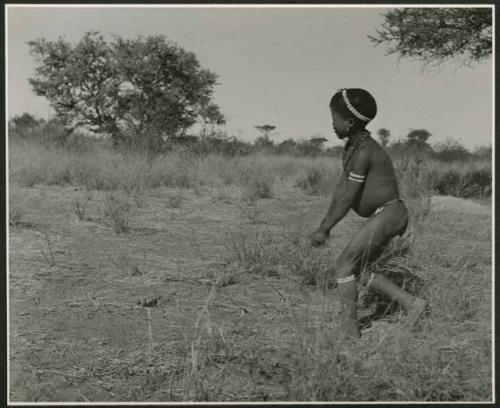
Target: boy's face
{"points": [[340, 124]]}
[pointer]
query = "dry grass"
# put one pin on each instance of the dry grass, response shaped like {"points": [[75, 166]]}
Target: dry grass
{"points": [[49, 253], [16, 212], [116, 212], [80, 210], [318, 178], [107, 170], [197, 299]]}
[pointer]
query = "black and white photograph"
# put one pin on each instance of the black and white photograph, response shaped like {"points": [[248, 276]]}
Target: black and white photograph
{"points": [[250, 203]]}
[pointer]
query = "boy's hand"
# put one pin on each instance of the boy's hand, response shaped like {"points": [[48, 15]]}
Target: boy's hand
{"points": [[319, 238]]}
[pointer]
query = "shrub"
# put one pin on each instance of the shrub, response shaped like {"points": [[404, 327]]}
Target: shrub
{"points": [[411, 173], [80, 210], [16, 213], [451, 150], [116, 213], [469, 184], [316, 180], [31, 164], [256, 179]]}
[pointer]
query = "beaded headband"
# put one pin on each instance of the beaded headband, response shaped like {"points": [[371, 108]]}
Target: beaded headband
{"points": [[352, 108]]}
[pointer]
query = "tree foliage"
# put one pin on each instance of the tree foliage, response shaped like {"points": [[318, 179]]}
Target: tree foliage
{"points": [[418, 137], [264, 141], [313, 146], [384, 135], [265, 130], [144, 87], [24, 121], [435, 35]]}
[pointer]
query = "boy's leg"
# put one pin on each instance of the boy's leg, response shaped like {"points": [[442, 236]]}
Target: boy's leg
{"points": [[388, 219], [413, 305], [348, 295], [365, 247]]}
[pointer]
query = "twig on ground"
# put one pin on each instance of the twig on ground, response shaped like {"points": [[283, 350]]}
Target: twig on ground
{"points": [[49, 258], [150, 333]]}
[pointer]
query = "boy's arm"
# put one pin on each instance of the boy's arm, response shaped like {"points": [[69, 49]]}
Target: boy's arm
{"points": [[348, 190]]}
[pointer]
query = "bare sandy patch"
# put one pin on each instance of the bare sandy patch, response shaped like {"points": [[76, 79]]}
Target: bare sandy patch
{"points": [[460, 205]]}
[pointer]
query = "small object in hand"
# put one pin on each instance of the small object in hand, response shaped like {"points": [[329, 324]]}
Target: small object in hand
{"points": [[318, 238], [150, 301]]}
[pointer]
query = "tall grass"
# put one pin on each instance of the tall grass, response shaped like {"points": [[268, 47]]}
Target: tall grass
{"points": [[316, 363], [469, 178], [445, 359], [101, 168], [317, 176]]}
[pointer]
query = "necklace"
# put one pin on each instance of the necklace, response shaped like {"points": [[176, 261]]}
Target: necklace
{"points": [[351, 150]]}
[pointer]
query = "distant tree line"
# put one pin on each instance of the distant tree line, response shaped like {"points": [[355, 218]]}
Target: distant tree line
{"points": [[148, 93], [29, 128]]}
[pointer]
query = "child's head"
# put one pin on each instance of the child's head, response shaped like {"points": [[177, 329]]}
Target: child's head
{"points": [[351, 110]]}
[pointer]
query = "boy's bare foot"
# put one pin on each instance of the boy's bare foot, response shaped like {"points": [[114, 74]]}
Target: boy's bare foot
{"points": [[415, 311]]}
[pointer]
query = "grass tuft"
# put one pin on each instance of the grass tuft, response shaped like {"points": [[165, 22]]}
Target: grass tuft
{"points": [[117, 213], [316, 180]]}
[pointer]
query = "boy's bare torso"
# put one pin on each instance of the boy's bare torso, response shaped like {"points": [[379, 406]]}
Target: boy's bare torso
{"points": [[380, 185]]}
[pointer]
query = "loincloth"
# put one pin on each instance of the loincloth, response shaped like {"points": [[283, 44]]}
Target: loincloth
{"points": [[393, 201]]}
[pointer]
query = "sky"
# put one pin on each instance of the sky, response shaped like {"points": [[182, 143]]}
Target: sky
{"points": [[277, 66]]}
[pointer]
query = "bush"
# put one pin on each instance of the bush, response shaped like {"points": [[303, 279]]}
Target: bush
{"points": [[411, 172], [220, 143], [451, 150], [16, 211], [31, 164], [467, 184], [257, 185], [484, 152], [312, 180], [255, 175], [116, 213]]}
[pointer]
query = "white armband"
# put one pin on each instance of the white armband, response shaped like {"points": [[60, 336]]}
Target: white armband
{"points": [[356, 177], [347, 279]]}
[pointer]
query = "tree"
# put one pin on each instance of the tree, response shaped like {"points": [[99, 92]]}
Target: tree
{"points": [[146, 87], [384, 135], [265, 130], [416, 143], [288, 146], [25, 121], [435, 35], [334, 151], [418, 137], [264, 141], [313, 146], [318, 141]]}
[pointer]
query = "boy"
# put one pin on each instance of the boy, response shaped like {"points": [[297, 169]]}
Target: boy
{"points": [[368, 185]]}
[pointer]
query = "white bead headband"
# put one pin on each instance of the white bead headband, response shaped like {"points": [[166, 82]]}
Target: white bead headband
{"points": [[352, 108]]}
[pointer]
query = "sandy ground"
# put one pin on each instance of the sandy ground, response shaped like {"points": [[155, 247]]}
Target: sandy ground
{"points": [[77, 330], [458, 205]]}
